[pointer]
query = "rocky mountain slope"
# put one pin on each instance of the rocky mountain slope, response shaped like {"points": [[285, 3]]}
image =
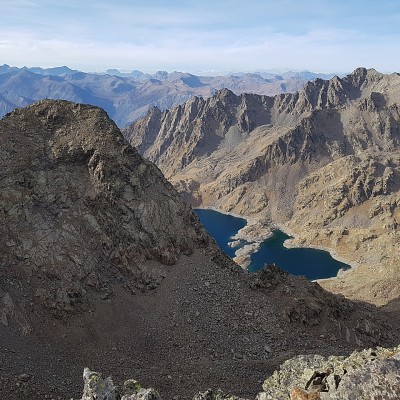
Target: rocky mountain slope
{"points": [[76, 199], [322, 164], [102, 264], [126, 98]]}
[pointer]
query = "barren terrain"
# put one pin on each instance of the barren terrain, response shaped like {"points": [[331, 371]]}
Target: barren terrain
{"points": [[322, 164]]}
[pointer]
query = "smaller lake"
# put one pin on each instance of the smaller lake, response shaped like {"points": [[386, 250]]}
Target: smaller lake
{"points": [[312, 263]]}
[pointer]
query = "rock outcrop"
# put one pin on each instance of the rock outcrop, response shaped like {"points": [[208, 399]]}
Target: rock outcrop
{"points": [[372, 374], [369, 374], [97, 388], [317, 163], [214, 395]]}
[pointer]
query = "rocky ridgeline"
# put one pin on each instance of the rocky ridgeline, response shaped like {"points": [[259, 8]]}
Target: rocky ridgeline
{"points": [[127, 97], [196, 128], [201, 125], [369, 374], [80, 211], [318, 160]]}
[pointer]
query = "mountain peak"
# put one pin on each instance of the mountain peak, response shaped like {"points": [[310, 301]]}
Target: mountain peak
{"points": [[363, 75], [72, 164], [226, 95], [225, 92]]}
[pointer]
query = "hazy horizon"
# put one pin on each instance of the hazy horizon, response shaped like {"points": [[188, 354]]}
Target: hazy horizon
{"points": [[277, 71], [93, 36]]}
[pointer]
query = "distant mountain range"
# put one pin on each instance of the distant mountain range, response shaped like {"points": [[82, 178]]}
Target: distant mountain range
{"points": [[128, 96]]}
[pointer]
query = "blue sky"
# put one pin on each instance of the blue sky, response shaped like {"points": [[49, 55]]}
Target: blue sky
{"points": [[201, 36]]}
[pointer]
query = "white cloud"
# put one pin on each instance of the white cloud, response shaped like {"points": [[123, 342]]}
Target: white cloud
{"points": [[192, 35], [193, 50]]}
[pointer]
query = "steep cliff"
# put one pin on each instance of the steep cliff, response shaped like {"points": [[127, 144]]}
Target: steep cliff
{"points": [[313, 161]]}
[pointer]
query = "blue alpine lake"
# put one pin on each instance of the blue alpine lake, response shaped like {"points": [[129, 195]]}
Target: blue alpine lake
{"points": [[221, 227], [312, 263]]}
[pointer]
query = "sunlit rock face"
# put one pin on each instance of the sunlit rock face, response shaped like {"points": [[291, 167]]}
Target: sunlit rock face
{"points": [[323, 164]]}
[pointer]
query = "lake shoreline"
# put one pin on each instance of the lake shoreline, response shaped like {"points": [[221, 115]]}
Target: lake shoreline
{"points": [[248, 234], [333, 253], [254, 233], [222, 212]]}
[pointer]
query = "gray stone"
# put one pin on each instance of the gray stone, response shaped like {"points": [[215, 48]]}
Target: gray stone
{"points": [[24, 377], [97, 388], [211, 394], [367, 374]]}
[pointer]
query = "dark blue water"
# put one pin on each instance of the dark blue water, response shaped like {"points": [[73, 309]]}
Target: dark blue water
{"points": [[312, 263], [221, 227]]}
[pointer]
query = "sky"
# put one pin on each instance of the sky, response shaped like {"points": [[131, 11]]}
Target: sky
{"points": [[202, 36]]}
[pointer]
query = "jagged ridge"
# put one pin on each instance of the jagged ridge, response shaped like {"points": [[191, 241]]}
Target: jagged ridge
{"points": [[253, 155]]}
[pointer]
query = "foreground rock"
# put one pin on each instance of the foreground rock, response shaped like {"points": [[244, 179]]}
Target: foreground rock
{"points": [[102, 264], [323, 164], [215, 395], [97, 388], [369, 374]]}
